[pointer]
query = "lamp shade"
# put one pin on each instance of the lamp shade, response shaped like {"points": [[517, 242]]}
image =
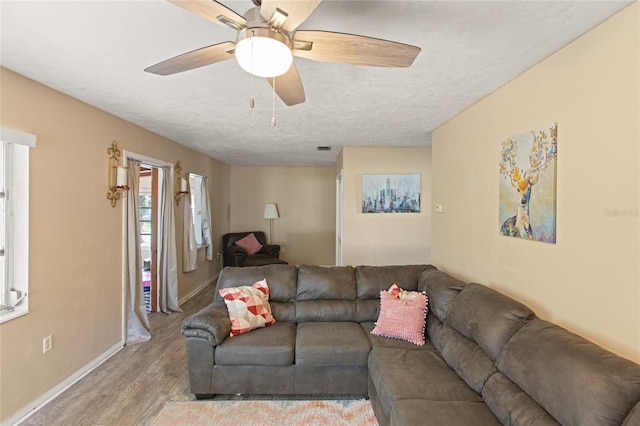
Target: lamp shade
{"points": [[271, 211], [121, 177]]}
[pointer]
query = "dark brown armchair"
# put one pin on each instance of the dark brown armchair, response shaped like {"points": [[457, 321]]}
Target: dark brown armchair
{"points": [[237, 256]]}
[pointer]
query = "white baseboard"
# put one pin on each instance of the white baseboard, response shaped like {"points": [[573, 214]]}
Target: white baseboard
{"points": [[36, 405], [197, 290], [33, 407]]}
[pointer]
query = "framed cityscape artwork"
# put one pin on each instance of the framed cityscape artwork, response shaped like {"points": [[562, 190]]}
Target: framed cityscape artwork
{"points": [[391, 193]]}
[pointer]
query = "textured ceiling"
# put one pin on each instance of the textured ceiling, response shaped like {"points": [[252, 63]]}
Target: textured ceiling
{"points": [[96, 51]]}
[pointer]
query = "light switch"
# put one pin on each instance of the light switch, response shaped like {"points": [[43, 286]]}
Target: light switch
{"points": [[439, 207]]}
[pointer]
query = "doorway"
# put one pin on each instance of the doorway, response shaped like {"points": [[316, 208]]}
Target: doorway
{"points": [[149, 245], [339, 216]]}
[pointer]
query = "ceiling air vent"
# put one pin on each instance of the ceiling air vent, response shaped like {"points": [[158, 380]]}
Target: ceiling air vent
{"points": [[324, 148]]}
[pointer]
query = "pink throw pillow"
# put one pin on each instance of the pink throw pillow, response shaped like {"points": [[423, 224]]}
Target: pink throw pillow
{"points": [[248, 307], [402, 315], [250, 244]]}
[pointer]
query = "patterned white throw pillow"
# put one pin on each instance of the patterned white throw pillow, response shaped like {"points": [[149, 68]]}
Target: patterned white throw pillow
{"points": [[248, 307]]}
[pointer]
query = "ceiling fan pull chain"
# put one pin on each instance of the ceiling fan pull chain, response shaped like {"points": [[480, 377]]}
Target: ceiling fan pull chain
{"points": [[273, 104], [252, 99]]}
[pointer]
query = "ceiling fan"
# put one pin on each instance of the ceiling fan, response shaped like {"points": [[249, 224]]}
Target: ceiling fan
{"points": [[267, 41]]}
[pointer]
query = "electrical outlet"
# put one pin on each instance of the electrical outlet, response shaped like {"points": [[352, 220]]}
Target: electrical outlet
{"points": [[283, 249], [47, 344]]}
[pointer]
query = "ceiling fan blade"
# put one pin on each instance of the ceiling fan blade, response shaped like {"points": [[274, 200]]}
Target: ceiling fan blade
{"points": [[288, 87], [209, 9], [327, 46], [297, 10], [194, 59]]}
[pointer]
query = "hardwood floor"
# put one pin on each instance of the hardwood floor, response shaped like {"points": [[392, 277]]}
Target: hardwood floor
{"points": [[132, 386]]}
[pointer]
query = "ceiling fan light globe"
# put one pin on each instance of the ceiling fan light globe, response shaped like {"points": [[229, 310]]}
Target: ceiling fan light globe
{"points": [[271, 57]]}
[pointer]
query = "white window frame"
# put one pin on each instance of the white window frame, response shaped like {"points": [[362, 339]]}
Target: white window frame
{"points": [[15, 281], [195, 187]]}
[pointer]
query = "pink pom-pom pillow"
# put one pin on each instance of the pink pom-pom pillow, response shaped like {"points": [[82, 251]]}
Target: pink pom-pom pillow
{"points": [[248, 307], [402, 315], [250, 244]]}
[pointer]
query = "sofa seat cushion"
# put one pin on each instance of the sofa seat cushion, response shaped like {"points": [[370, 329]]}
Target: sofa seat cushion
{"points": [[270, 346], [415, 374], [420, 412], [387, 342], [320, 344], [512, 405]]}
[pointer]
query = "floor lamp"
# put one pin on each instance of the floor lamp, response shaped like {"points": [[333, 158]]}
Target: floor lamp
{"points": [[270, 212]]}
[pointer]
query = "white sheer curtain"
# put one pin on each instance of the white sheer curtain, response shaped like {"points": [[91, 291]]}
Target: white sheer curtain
{"points": [[137, 320], [206, 218], [168, 264], [189, 246]]}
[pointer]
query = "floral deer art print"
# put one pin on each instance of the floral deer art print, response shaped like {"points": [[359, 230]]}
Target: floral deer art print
{"points": [[528, 185]]}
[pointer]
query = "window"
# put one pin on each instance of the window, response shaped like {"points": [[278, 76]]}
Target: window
{"points": [[14, 223], [146, 223], [4, 297], [195, 186], [146, 220]]}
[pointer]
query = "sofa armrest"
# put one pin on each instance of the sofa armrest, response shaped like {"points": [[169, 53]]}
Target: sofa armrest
{"points": [[235, 256], [272, 250], [211, 323]]}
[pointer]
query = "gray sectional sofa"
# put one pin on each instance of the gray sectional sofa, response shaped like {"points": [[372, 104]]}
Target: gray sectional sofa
{"points": [[488, 359]]}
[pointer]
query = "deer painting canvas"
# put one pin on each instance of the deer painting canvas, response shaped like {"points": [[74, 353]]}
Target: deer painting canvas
{"points": [[528, 185]]}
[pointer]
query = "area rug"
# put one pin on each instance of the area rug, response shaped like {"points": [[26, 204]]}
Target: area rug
{"points": [[267, 413]]}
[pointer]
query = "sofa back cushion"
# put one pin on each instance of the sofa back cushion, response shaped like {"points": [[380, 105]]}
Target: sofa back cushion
{"points": [[463, 355], [442, 289], [281, 280], [574, 380], [326, 293], [634, 416], [326, 311], [326, 283], [478, 322], [371, 280], [487, 317]]}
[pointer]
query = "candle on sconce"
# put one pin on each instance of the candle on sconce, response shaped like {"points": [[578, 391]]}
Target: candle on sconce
{"points": [[183, 185], [121, 177]]}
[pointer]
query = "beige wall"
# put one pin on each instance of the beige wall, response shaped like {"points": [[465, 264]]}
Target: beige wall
{"points": [[76, 236], [589, 282], [306, 202], [385, 239]]}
